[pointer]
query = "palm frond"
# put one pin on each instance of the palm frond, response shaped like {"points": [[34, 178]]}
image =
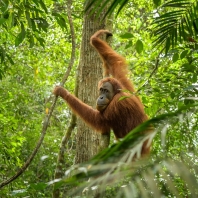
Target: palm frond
{"points": [[143, 178], [179, 24], [114, 168]]}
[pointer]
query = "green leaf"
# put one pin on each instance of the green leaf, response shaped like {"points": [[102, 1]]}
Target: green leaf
{"points": [[43, 6], [194, 79], [167, 45], [61, 21], [177, 3], [183, 54], [33, 25], [139, 46], [187, 67], [4, 5], [175, 57], [188, 101], [2, 54], [10, 59], [31, 41], [172, 95], [39, 186], [36, 2], [10, 20], [2, 20], [129, 44], [126, 36], [176, 23], [28, 19], [157, 2], [41, 41], [123, 97], [20, 37], [42, 24]]}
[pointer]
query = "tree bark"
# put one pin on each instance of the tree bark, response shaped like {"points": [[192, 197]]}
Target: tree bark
{"points": [[88, 142]]}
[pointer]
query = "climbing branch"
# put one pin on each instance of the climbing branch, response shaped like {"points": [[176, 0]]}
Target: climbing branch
{"points": [[60, 161], [48, 116], [153, 72]]}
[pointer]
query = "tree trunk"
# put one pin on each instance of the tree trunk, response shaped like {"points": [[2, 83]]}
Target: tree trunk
{"points": [[88, 142]]}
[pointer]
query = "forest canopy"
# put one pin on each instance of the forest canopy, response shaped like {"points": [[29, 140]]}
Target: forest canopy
{"points": [[45, 150]]}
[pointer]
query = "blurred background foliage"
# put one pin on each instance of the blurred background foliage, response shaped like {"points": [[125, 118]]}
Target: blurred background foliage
{"points": [[159, 41]]}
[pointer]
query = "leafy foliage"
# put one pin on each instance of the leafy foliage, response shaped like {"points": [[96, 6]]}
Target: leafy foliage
{"points": [[114, 167], [24, 21], [166, 83], [177, 24], [180, 23]]}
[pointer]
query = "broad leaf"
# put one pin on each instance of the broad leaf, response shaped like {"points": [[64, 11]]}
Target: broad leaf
{"points": [[139, 46], [126, 35], [21, 36]]}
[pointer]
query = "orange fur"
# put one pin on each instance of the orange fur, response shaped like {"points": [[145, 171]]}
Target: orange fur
{"points": [[121, 116]]}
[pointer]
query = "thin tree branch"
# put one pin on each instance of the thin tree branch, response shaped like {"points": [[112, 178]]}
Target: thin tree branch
{"points": [[152, 73], [60, 161], [48, 116], [34, 152], [59, 173], [72, 59]]}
